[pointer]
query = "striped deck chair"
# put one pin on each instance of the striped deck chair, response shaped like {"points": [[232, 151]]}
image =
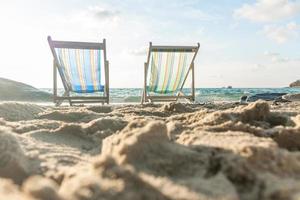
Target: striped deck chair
{"points": [[82, 67], [166, 72]]}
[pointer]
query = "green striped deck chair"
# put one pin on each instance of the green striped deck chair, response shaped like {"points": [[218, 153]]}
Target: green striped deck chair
{"points": [[83, 69], [166, 72]]}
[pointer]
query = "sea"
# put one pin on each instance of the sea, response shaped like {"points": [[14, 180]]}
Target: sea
{"points": [[203, 95]]}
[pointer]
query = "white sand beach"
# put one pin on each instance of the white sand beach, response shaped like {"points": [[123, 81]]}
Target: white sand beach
{"points": [[171, 151]]}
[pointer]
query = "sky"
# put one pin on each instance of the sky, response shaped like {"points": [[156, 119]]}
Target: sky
{"points": [[251, 43]]}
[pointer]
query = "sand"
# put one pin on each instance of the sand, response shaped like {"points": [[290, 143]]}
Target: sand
{"points": [[171, 151]]}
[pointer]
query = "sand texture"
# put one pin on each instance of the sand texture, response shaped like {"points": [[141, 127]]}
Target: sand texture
{"points": [[173, 151]]}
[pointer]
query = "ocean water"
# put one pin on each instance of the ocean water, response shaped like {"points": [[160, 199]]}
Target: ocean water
{"points": [[133, 95]]}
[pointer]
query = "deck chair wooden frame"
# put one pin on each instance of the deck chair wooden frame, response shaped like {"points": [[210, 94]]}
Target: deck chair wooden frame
{"points": [[146, 97], [58, 100]]}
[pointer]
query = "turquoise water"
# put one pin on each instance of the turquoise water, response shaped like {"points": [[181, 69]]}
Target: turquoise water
{"points": [[133, 95]]}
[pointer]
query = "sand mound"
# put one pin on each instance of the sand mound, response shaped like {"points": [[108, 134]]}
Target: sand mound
{"points": [[13, 162], [258, 111], [10, 191], [56, 150], [280, 188], [100, 109], [254, 118], [288, 138], [39, 187], [72, 115], [248, 161], [146, 110], [110, 124], [96, 129], [150, 152], [17, 111], [296, 120], [176, 107], [70, 144], [108, 181], [233, 141], [32, 125], [34, 188], [116, 177]]}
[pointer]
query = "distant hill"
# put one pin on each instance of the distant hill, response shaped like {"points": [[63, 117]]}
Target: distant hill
{"points": [[15, 91], [295, 84]]}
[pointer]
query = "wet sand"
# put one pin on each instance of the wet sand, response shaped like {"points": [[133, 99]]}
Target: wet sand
{"points": [[172, 151]]}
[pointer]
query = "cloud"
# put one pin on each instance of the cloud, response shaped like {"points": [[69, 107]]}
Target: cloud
{"points": [[268, 10], [92, 15], [277, 58], [281, 34], [102, 21], [102, 13]]}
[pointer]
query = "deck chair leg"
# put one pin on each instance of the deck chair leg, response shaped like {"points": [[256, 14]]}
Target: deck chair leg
{"points": [[143, 97], [145, 80], [189, 100], [70, 101], [59, 102], [193, 82]]}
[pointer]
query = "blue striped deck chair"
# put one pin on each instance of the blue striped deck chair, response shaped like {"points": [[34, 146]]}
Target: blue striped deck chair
{"points": [[167, 70], [83, 69]]}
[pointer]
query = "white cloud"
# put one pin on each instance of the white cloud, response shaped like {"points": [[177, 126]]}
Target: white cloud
{"points": [[268, 10], [281, 34], [279, 59], [95, 15], [102, 13], [275, 57]]}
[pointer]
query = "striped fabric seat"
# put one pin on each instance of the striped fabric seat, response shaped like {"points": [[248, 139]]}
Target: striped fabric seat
{"points": [[80, 69], [167, 71]]}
